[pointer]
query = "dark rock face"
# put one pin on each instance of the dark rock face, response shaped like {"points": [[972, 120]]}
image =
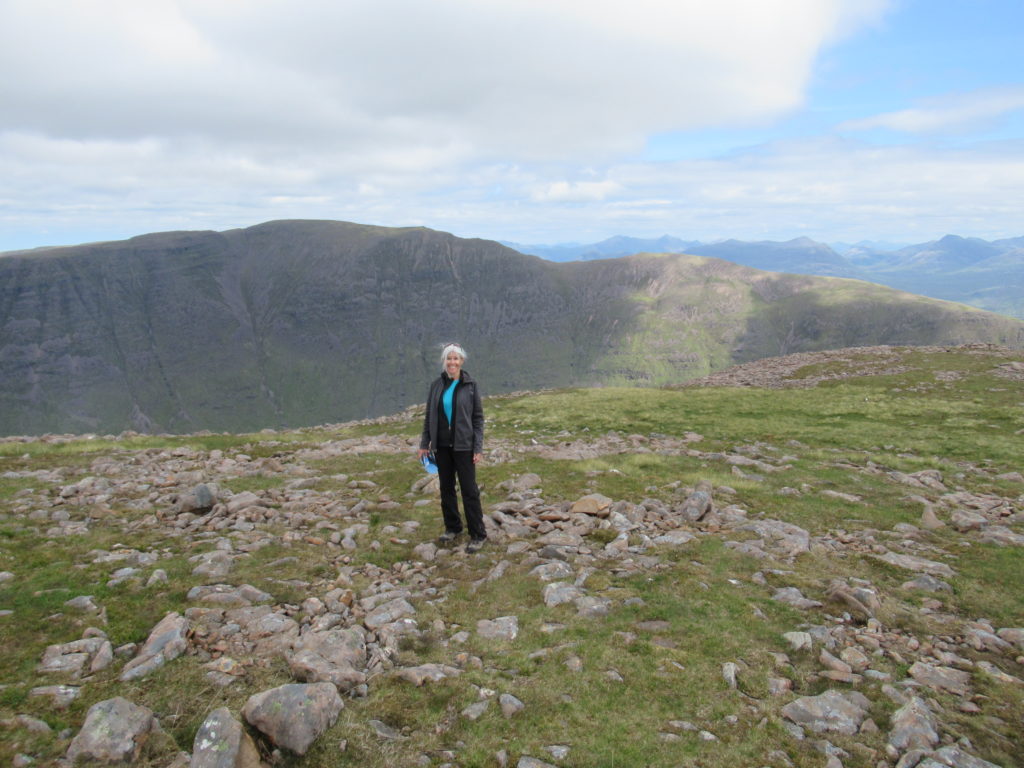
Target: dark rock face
{"points": [[296, 323]]}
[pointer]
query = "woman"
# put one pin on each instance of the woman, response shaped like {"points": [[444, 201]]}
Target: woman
{"points": [[453, 430]]}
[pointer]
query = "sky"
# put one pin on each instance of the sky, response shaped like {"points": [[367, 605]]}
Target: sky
{"points": [[533, 121]]}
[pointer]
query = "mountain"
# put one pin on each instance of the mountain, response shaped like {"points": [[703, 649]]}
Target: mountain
{"points": [[983, 274], [613, 247], [988, 275], [292, 323], [800, 256]]}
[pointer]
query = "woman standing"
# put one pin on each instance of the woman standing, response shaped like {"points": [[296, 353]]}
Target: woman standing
{"points": [[453, 430]]}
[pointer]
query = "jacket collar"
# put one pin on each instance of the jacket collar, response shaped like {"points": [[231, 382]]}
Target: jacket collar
{"points": [[464, 377]]}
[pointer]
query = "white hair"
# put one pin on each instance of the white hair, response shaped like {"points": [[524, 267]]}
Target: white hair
{"points": [[453, 347]]}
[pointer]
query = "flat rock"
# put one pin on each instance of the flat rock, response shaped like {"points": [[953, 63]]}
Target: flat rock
{"points": [[594, 504], [954, 757], [927, 583], [965, 520], [1003, 536], [114, 731], [502, 628], [675, 538], [941, 678], [425, 673], [793, 596], [228, 595], [831, 711], [919, 564], [553, 571], [559, 592], [784, 539]]}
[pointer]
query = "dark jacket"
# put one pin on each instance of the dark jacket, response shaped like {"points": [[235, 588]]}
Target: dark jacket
{"points": [[467, 415]]}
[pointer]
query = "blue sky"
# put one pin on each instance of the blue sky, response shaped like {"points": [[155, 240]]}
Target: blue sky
{"points": [[536, 121]]}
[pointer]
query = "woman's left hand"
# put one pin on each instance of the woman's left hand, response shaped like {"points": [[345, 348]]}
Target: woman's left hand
{"points": [[477, 457]]}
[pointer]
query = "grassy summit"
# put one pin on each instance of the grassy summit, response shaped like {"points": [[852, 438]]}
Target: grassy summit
{"points": [[850, 447]]}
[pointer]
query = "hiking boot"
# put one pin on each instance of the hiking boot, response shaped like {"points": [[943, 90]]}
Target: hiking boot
{"points": [[448, 537], [475, 545]]}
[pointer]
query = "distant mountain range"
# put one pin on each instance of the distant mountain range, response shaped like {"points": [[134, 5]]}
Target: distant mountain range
{"points": [[296, 323], [983, 274]]}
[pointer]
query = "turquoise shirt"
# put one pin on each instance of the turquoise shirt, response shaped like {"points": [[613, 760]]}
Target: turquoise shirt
{"points": [[446, 400]]}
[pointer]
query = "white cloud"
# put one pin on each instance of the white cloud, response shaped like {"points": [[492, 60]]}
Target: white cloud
{"points": [[522, 77], [506, 119], [952, 112], [579, 191]]}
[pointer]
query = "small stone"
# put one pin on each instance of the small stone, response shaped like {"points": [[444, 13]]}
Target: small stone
{"points": [[510, 705]]}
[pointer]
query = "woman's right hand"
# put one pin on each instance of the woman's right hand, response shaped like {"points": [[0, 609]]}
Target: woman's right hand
{"points": [[421, 453]]}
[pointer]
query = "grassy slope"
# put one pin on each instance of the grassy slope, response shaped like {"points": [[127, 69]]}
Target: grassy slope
{"points": [[915, 420]]}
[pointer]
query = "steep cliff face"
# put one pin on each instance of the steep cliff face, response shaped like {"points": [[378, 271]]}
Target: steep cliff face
{"points": [[303, 322]]}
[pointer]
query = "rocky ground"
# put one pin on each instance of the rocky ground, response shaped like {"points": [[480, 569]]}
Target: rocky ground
{"points": [[347, 632]]}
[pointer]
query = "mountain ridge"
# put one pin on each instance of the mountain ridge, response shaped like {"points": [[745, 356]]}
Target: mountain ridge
{"points": [[292, 323]]}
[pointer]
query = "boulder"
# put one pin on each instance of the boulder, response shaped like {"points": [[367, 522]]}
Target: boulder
{"points": [[114, 731], [222, 742], [696, 506], [293, 716]]}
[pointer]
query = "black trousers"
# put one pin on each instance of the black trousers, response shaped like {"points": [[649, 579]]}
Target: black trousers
{"points": [[449, 464]]}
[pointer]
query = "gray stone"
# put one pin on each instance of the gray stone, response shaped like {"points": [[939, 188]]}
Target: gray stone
{"points": [[503, 628], [941, 678], [919, 564], [389, 612], [793, 596], [476, 710], [675, 538], [166, 642], [61, 696], [559, 592], [1014, 635], [510, 705], [531, 762], [335, 656], [228, 595], [927, 583], [965, 520], [1003, 536], [222, 742], [914, 726], [830, 711], [74, 658], [784, 539], [592, 607], [799, 641], [212, 565], [426, 673], [385, 731], [114, 731], [82, 603], [696, 506], [954, 757], [553, 571], [293, 716]]}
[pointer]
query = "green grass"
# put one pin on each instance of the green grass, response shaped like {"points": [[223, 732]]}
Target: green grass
{"points": [[843, 436]]}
